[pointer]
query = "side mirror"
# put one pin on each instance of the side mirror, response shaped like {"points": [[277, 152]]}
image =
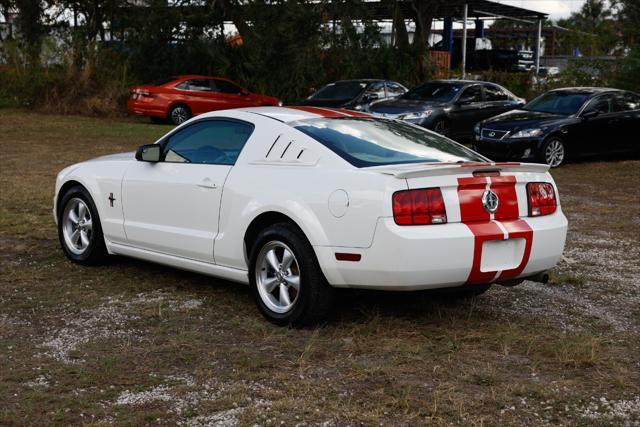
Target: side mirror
{"points": [[590, 114], [148, 153]]}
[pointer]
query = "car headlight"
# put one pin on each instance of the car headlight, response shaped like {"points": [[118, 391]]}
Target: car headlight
{"points": [[527, 133], [416, 115], [280, 104]]}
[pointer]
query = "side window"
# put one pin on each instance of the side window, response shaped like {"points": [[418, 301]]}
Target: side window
{"points": [[376, 89], [227, 87], [214, 142], [200, 85], [473, 93], [495, 93], [626, 102], [394, 89], [601, 104]]}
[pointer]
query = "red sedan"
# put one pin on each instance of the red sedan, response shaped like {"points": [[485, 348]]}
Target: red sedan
{"points": [[179, 98]]}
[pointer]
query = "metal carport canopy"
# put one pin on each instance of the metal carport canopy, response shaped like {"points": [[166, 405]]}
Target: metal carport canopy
{"points": [[477, 9]]}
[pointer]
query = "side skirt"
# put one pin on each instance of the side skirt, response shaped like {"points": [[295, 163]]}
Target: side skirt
{"points": [[227, 273]]}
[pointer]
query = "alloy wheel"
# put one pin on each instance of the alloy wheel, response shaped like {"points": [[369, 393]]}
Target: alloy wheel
{"points": [[554, 153], [441, 127], [278, 277], [77, 226], [179, 115]]}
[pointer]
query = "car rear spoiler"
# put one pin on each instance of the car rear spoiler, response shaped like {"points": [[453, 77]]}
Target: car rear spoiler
{"points": [[434, 169]]}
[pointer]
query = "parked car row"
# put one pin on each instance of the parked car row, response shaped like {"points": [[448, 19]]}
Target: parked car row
{"points": [[558, 124]]}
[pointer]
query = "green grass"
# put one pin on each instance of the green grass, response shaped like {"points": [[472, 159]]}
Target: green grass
{"points": [[411, 359]]}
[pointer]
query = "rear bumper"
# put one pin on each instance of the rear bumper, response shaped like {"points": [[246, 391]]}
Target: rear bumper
{"points": [[441, 256], [142, 108]]}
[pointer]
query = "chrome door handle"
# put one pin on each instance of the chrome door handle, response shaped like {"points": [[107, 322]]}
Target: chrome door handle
{"points": [[207, 183]]}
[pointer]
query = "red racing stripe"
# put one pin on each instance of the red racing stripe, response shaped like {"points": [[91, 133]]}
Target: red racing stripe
{"points": [[518, 229], [486, 227], [482, 232]]}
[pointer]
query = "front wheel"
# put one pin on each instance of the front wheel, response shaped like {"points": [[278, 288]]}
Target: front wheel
{"points": [[79, 228], [553, 152], [287, 283]]}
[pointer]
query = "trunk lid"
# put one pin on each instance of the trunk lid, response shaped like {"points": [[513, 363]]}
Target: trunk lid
{"points": [[474, 191]]}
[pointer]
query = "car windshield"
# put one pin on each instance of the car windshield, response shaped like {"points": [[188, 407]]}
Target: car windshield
{"points": [[443, 92], [367, 142], [558, 102], [340, 90]]}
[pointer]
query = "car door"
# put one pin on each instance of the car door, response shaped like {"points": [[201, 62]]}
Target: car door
{"points": [[627, 107], [600, 127], [233, 95], [197, 93], [467, 111], [497, 101], [172, 206]]}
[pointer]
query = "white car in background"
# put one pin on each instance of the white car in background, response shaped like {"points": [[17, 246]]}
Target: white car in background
{"points": [[299, 201]]}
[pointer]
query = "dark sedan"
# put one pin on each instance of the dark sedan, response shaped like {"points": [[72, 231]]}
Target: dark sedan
{"points": [[354, 94], [561, 123], [449, 107]]}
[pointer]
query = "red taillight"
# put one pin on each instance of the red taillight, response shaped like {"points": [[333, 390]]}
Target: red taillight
{"points": [[542, 198], [419, 207]]}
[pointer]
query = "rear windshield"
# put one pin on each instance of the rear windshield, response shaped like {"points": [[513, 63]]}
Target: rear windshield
{"points": [[367, 142], [340, 90]]}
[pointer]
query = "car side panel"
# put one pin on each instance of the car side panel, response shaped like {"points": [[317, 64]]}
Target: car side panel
{"points": [[301, 190]]}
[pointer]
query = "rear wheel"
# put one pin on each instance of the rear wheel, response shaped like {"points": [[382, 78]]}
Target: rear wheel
{"points": [[79, 228], [287, 283], [179, 114], [442, 126], [553, 152]]}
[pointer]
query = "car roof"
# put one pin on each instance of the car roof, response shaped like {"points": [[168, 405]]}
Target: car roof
{"points": [[198, 76], [359, 80], [586, 89], [296, 113]]}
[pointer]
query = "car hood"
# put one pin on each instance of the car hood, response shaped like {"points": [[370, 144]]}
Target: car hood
{"points": [[523, 119], [332, 103], [131, 155], [399, 106]]}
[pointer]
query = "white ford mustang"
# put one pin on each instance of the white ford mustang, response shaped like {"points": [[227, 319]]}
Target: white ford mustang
{"points": [[297, 201]]}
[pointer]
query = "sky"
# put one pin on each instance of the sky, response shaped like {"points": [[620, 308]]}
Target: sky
{"points": [[555, 8]]}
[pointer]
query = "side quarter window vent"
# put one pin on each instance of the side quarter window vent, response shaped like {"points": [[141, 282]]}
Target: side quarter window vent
{"points": [[286, 148], [272, 145]]}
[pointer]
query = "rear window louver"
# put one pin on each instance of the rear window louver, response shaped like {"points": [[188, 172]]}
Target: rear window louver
{"points": [[288, 151]]}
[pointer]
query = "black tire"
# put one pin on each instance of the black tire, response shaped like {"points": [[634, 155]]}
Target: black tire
{"points": [[551, 145], [442, 126], [179, 114], [96, 251], [313, 300]]}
